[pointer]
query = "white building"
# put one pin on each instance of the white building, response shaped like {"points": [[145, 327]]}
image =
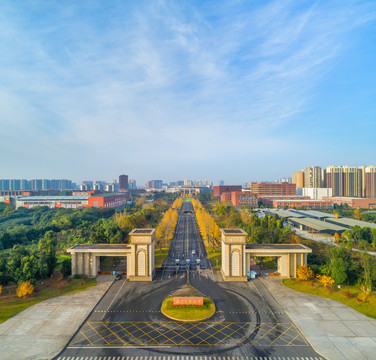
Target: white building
{"points": [[314, 193]]}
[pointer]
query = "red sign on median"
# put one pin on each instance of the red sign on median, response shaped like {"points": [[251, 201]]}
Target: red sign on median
{"points": [[188, 301]]}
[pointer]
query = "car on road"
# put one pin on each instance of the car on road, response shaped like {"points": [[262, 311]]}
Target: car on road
{"points": [[177, 262], [198, 261], [193, 252], [118, 276]]}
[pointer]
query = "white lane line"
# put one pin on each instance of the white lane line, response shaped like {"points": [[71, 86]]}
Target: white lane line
{"points": [[114, 298]]}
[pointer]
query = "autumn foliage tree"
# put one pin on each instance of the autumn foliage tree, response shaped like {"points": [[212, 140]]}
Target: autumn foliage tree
{"points": [[208, 228], [304, 272], [25, 289], [166, 228], [325, 280], [177, 204]]}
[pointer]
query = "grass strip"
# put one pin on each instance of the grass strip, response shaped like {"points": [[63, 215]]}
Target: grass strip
{"points": [[348, 295], [11, 305]]}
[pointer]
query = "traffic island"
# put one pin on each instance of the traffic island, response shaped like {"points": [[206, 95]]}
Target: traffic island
{"points": [[188, 304]]}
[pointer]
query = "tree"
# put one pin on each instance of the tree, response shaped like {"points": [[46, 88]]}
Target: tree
{"points": [[304, 272], [369, 270], [24, 289], [339, 270], [30, 268], [14, 264], [47, 254]]}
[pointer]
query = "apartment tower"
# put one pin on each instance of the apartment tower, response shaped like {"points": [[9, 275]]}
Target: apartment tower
{"points": [[370, 176], [298, 178], [312, 177]]}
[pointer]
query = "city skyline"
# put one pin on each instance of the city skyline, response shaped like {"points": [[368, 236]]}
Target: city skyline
{"points": [[163, 90]]}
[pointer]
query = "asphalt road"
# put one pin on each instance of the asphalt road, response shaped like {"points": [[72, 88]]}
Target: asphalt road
{"points": [[248, 323]]}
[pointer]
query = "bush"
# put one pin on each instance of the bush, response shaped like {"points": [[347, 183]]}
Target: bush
{"points": [[348, 294], [82, 283], [325, 280], [69, 279], [36, 290], [77, 276], [25, 289], [304, 272]]}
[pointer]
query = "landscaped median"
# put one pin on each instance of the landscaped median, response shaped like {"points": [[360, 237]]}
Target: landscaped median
{"points": [[188, 312], [349, 295], [189, 305]]}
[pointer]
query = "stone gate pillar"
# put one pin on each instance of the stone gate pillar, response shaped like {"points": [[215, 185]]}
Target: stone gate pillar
{"points": [[141, 260], [233, 255]]}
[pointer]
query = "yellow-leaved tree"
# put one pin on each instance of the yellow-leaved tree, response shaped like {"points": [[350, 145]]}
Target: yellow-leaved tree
{"points": [[24, 289], [325, 280], [304, 272]]}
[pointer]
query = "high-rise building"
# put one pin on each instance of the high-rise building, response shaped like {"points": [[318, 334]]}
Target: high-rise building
{"points": [[352, 181], [132, 184], [312, 177], [298, 178], [154, 184], [334, 179], [363, 169], [123, 182], [370, 180]]}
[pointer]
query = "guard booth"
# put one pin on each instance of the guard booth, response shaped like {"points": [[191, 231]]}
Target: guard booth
{"points": [[236, 255], [139, 253]]}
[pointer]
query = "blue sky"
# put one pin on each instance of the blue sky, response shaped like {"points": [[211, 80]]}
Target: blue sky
{"points": [[232, 90]]}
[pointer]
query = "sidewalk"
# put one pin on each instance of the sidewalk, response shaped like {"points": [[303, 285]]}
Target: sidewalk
{"points": [[42, 330], [334, 330]]}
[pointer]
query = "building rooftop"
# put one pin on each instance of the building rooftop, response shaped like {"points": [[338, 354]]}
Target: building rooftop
{"points": [[100, 246], [315, 214], [276, 246], [286, 213], [51, 198], [234, 232], [352, 222], [318, 225]]}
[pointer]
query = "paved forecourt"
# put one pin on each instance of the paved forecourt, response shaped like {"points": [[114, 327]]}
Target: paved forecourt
{"points": [[248, 322]]}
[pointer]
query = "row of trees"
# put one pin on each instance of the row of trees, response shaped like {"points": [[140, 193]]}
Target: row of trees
{"points": [[208, 227], [166, 228]]}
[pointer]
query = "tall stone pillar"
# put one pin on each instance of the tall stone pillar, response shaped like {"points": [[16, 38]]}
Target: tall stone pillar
{"points": [[74, 264], [141, 264], [233, 255], [94, 265]]}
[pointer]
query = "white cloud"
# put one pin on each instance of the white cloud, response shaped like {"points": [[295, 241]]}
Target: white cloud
{"points": [[166, 80]]}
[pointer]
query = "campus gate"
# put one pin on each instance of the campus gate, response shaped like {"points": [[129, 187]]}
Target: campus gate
{"points": [[139, 253], [236, 255]]}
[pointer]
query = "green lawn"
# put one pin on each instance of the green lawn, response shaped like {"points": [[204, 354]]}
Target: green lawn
{"points": [[367, 307], [160, 256], [215, 255], [188, 312], [11, 305]]}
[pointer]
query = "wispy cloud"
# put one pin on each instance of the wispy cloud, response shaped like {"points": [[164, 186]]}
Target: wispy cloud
{"points": [[138, 83]]}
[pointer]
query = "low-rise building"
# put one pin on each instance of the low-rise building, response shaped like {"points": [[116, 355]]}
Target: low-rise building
{"points": [[218, 190], [314, 193], [114, 200], [352, 202], [263, 188]]}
